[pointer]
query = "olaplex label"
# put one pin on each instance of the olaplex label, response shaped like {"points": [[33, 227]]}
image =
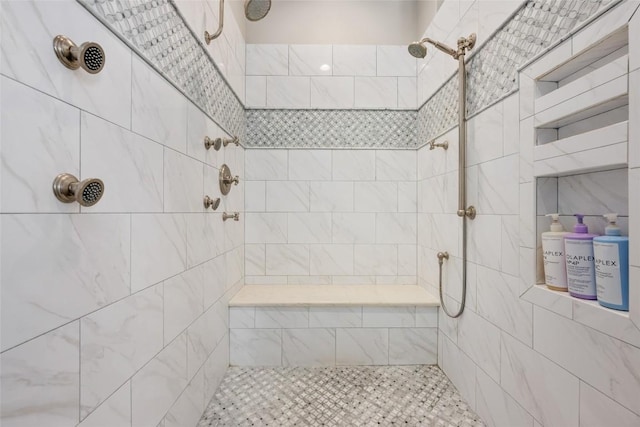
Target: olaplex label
{"points": [[554, 262], [608, 272], [580, 267]]}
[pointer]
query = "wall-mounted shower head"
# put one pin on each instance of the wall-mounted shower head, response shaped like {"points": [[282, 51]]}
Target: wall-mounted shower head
{"points": [[89, 55], [255, 10], [418, 50], [68, 189]]}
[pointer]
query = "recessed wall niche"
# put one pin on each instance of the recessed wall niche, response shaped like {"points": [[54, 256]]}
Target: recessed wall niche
{"points": [[576, 155]]}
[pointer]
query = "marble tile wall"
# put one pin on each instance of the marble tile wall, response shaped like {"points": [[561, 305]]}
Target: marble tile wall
{"points": [[333, 336], [330, 216], [330, 77], [116, 314], [520, 360]]}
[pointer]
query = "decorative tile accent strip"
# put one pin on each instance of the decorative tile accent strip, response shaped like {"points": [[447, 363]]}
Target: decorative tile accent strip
{"points": [[331, 128], [492, 72], [155, 30]]}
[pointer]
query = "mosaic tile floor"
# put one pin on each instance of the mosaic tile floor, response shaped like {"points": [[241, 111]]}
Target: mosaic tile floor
{"points": [[338, 396]]}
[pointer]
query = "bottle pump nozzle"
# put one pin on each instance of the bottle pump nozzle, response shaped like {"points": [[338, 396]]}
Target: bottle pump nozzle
{"points": [[580, 227], [555, 223], [612, 228]]}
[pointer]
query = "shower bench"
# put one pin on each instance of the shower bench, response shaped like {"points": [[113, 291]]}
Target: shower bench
{"points": [[333, 325]]}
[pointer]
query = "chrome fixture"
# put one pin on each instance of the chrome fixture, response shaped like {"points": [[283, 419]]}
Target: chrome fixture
{"points": [[234, 216], [433, 144], [254, 10], [419, 50], [89, 55], [226, 180], [235, 140], [211, 203], [215, 143], [68, 189]]}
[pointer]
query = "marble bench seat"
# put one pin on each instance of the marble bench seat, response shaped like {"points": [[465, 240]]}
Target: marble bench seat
{"points": [[290, 325]]}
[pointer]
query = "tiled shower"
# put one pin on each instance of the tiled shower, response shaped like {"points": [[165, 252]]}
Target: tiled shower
{"points": [[117, 314]]}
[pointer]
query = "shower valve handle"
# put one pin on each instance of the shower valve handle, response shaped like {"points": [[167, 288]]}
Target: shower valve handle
{"points": [[215, 143], [470, 212], [235, 140], [235, 180], [234, 216]]}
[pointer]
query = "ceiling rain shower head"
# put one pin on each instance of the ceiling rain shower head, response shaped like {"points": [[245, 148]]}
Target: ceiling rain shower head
{"points": [[255, 10]]}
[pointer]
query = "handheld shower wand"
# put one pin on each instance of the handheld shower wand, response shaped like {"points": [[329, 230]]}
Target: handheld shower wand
{"points": [[419, 50]]}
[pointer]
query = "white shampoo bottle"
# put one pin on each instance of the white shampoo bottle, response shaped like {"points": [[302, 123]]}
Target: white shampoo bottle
{"points": [[555, 271]]}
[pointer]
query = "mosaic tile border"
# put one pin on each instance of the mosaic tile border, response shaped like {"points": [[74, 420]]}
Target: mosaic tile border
{"points": [[492, 72], [331, 128], [158, 33]]}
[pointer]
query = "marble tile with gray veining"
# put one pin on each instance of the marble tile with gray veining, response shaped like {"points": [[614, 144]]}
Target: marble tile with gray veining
{"points": [[332, 92], [131, 167], [189, 406], [332, 317], [375, 259], [396, 228], [499, 302], [155, 387], [52, 129], [544, 389], [86, 256], [255, 347], [331, 259], [354, 165], [267, 59], [282, 317], [27, 31], [114, 411], [183, 295], [362, 346], [40, 380], [310, 60], [413, 346], [309, 227], [287, 196], [388, 317], [495, 406], [611, 366], [359, 228], [308, 347], [287, 259], [158, 248], [376, 197], [159, 111], [116, 342], [331, 196]]}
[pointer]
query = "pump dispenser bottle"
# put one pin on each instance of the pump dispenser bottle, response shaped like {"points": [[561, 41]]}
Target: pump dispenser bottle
{"points": [[578, 248], [611, 253], [555, 270]]}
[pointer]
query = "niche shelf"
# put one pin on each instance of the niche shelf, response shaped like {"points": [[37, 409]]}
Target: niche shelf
{"points": [[575, 141]]}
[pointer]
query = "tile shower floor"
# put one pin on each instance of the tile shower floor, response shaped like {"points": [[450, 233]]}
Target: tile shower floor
{"points": [[338, 396]]}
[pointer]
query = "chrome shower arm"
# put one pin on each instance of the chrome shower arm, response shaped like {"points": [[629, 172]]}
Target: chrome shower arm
{"points": [[443, 47], [207, 36]]}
